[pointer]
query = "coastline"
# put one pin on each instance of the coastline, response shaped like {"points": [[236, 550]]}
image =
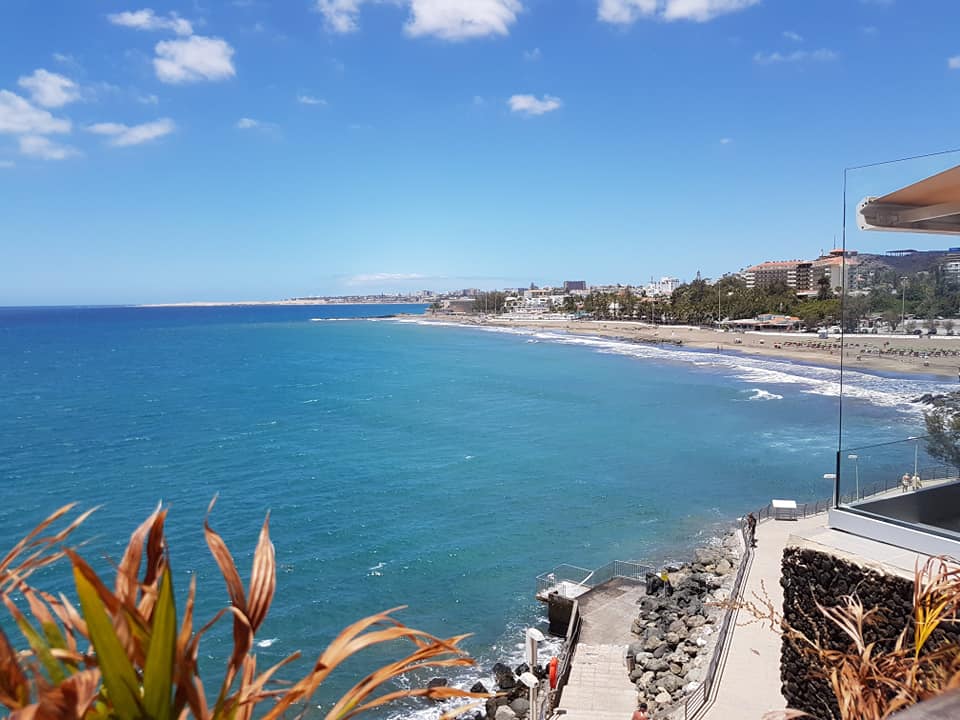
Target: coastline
{"points": [[863, 353], [255, 303]]}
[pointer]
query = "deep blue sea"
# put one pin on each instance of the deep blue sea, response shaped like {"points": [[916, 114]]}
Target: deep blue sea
{"points": [[403, 463]]}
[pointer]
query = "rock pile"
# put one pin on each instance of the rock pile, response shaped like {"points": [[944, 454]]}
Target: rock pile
{"points": [[677, 632], [512, 702]]}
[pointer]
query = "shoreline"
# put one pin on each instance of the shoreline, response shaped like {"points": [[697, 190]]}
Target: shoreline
{"points": [[257, 303], [912, 356]]}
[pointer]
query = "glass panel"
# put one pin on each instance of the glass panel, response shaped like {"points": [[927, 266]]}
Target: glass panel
{"points": [[894, 296]]}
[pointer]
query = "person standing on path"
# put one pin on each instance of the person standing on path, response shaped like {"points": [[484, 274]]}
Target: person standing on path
{"points": [[752, 529], [640, 713]]}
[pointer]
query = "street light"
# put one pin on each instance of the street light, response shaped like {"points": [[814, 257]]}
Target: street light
{"points": [[530, 681], [903, 305], [836, 487], [916, 452], [856, 469]]}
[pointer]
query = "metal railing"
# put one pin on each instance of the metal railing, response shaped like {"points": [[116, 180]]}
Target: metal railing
{"points": [[697, 699], [571, 580], [549, 700], [931, 472]]}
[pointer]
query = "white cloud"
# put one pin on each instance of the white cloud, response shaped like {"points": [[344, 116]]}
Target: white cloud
{"points": [[18, 116], [44, 148], [726, 141], [532, 55], [125, 135], [49, 89], [148, 99], [797, 56], [791, 35], [954, 62], [7, 164], [146, 19], [478, 100], [445, 19], [368, 278], [626, 12], [340, 16], [532, 105], [247, 124], [310, 100], [194, 59], [461, 19]]}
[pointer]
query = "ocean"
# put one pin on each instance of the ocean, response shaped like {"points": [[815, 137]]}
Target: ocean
{"points": [[404, 463]]}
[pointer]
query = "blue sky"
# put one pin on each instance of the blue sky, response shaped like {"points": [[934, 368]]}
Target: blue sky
{"points": [[255, 149]]}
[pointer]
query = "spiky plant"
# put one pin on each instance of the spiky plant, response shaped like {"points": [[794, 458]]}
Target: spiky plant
{"points": [[126, 655], [868, 681]]}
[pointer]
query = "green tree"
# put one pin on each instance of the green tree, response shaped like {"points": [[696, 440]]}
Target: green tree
{"points": [[943, 435], [824, 291]]}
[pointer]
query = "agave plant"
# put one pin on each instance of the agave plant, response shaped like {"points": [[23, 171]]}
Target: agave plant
{"points": [[126, 654]]}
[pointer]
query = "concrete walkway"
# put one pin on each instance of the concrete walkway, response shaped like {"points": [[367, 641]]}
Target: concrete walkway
{"points": [[599, 687], [748, 684]]}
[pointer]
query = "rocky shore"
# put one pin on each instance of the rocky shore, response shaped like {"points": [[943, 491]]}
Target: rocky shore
{"points": [[676, 633]]}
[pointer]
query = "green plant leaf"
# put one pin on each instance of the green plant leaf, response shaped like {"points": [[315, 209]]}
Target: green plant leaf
{"points": [[40, 647], [158, 670], [118, 673]]}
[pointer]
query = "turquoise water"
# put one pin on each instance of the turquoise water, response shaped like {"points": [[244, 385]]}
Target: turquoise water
{"points": [[403, 463]]}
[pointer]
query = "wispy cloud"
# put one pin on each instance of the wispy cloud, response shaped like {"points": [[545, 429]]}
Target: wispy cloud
{"points": [[148, 99], [147, 19], [532, 55], [381, 277], [954, 62], [50, 89], [310, 100], [791, 35], [726, 141], [125, 135], [627, 12], [194, 59], [246, 123], [18, 116], [532, 105], [45, 148], [797, 56], [7, 164], [445, 19]]}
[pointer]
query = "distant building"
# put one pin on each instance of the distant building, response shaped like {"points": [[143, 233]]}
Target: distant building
{"points": [[462, 305], [661, 287], [803, 276], [950, 266], [773, 271], [569, 285], [840, 267]]}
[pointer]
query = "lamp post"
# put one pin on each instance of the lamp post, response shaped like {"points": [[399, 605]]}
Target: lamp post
{"points": [[530, 681], [903, 305], [856, 469], [916, 452], [836, 486]]}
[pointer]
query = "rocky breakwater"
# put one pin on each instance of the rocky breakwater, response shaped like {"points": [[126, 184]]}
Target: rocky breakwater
{"points": [[677, 631]]}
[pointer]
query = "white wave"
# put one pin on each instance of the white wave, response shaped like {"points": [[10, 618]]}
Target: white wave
{"points": [[509, 651], [892, 392], [266, 643], [759, 394], [468, 457], [375, 570]]}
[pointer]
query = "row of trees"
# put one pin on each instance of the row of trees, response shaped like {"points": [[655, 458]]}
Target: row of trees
{"points": [[926, 296]]}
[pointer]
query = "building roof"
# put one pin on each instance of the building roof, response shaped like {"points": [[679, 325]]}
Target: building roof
{"points": [[931, 205], [774, 265]]}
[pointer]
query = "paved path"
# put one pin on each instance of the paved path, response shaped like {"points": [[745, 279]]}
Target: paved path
{"points": [[749, 680], [599, 687]]}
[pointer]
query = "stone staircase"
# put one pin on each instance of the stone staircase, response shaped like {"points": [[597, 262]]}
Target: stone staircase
{"points": [[599, 687]]}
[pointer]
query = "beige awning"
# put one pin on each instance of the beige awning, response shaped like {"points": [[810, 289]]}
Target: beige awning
{"points": [[931, 205]]}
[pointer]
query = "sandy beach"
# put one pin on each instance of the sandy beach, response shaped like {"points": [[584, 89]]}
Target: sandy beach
{"points": [[935, 355]]}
